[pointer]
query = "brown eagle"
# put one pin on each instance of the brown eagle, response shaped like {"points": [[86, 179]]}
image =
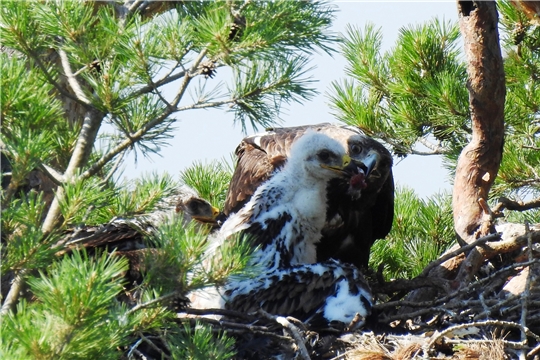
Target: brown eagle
{"points": [[357, 212], [283, 220]]}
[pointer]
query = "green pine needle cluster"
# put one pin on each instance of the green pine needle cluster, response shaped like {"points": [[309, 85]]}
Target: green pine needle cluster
{"points": [[422, 230], [200, 343], [182, 263], [211, 180], [408, 93], [73, 312]]}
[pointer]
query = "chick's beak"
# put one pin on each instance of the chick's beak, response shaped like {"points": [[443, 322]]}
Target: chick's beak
{"points": [[208, 219], [344, 168], [346, 161]]}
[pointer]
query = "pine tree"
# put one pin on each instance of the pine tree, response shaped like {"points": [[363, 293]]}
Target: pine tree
{"points": [[82, 85], [414, 98]]}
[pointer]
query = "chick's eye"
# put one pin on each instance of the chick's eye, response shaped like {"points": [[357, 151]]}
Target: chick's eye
{"points": [[324, 155], [355, 149]]}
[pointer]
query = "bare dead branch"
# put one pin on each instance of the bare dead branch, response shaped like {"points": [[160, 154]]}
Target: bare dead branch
{"points": [[408, 285], [153, 302], [234, 327], [438, 335], [505, 203], [293, 330], [463, 249], [526, 294]]}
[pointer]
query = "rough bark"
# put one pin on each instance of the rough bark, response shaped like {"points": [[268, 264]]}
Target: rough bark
{"points": [[479, 161]]}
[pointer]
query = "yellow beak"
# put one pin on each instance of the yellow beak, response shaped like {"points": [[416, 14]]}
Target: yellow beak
{"points": [[345, 162], [208, 219]]}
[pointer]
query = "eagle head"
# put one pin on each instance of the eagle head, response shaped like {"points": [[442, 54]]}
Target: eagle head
{"points": [[321, 157], [373, 163]]}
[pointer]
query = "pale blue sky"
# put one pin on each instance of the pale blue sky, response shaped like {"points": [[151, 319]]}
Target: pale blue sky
{"points": [[204, 135]]}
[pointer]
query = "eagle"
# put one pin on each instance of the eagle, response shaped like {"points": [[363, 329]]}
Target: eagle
{"points": [[190, 206], [283, 220], [126, 235], [358, 212]]}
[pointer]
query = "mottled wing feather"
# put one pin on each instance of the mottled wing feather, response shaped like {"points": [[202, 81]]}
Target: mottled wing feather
{"points": [[264, 234], [252, 169], [258, 157], [299, 291]]}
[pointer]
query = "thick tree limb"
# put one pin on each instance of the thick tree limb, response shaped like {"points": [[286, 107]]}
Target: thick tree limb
{"points": [[479, 161]]}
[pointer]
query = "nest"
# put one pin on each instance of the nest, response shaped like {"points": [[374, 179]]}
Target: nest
{"points": [[479, 301]]}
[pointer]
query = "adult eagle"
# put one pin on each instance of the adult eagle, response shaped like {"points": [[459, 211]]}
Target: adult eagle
{"points": [[284, 219], [358, 212]]}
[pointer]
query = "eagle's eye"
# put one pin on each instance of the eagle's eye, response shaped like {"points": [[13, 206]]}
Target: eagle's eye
{"points": [[324, 155], [355, 149]]}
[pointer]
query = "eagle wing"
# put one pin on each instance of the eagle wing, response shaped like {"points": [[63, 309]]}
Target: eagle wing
{"points": [[314, 293]]}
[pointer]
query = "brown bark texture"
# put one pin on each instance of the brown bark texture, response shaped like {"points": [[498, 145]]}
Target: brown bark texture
{"points": [[479, 161]]}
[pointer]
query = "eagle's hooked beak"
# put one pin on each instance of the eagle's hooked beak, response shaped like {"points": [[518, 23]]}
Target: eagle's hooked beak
{"points": [[206, 219], [344, 169], [361, 171], [370, 161]]}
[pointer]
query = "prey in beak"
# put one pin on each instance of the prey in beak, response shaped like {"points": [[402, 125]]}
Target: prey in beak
{"points": [[362, 170]]}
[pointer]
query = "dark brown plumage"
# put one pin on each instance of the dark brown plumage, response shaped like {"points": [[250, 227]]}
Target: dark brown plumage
{"points": [[358, 212]]}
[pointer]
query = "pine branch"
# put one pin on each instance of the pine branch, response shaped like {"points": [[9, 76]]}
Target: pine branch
{"points": [[436, 149], [135, 137], [14, 292], [35, 57], [54, 175], [156, 84], [72, 80], [83, 147], [79, 157], [152, 302]]}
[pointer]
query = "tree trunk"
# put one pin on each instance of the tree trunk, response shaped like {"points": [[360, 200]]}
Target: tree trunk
{"points": [[479, 161]]}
